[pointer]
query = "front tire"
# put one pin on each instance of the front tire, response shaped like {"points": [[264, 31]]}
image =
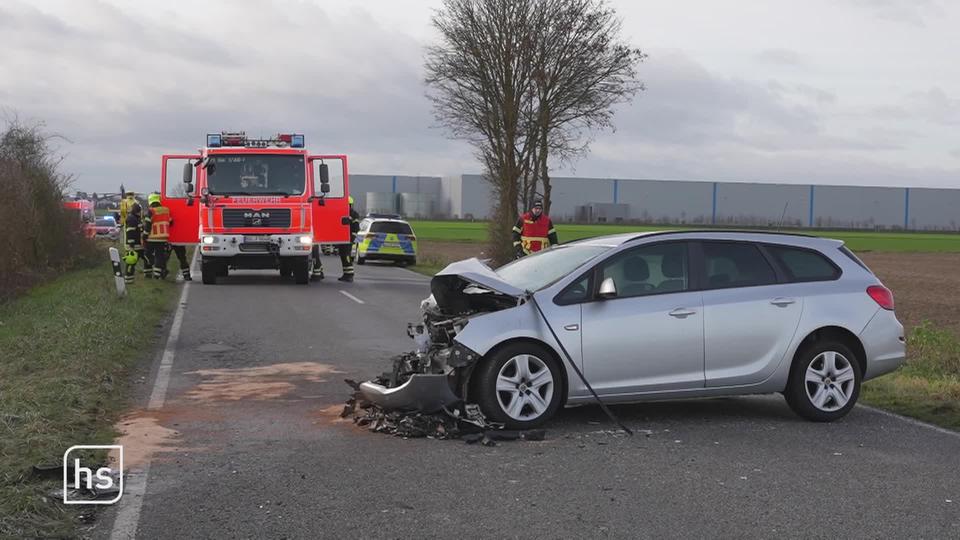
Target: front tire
{"points": [[208, 271], [824, 382], [301, 271], [520, 385]]}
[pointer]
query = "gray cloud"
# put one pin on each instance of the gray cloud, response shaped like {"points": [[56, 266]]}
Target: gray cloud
{"points": [[126, 85], [911, 12], [784, 57]]}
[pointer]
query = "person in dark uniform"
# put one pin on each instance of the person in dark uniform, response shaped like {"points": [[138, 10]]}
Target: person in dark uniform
{"points": [[345, 251], [133, 235]]}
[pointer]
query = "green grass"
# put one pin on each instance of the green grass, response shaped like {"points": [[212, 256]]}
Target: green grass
{"points": [[67, 348], [476, 231], [927, 387]]}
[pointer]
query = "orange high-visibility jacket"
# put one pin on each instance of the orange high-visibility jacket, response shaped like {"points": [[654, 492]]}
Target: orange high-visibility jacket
{"points": [[160, 221], [534, 233]]}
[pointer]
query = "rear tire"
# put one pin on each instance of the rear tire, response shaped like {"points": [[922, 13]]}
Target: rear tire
{"points": [[521, 371], [824, 381], [208, 271], [301, 271]]}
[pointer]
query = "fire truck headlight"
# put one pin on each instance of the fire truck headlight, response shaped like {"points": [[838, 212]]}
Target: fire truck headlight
{"points": [[306, 239], [209, 239]]}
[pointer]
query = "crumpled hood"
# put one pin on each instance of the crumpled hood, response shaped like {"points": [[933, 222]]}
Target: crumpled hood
{"points": [[448, 286]]}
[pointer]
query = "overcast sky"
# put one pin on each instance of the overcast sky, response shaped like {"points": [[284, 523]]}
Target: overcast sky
{"points": [[823, 91]]}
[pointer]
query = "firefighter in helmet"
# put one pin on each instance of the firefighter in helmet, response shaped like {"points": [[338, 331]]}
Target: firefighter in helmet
{"points": [[344, 250], [126, 206], [132, 234], [156, 227], [534, 231]]}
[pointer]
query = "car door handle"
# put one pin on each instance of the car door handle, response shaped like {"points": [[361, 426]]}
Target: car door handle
{"points": [[783, 301], [572, 327], [680, 313]]}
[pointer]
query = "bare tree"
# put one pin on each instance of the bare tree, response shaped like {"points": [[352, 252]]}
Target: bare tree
{"points": [[524, 80]]}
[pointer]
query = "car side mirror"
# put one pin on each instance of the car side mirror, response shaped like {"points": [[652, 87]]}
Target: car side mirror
{"points": [[187, 172], [324, 177], [608, 289], [189, 188], [324, 188]]}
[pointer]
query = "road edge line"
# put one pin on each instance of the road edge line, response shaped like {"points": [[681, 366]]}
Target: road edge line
{"points": [[127, 518], [913, 421], [352, 297]]}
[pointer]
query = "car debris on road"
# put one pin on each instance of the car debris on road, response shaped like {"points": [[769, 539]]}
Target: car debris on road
{"points": [[460, 421]]}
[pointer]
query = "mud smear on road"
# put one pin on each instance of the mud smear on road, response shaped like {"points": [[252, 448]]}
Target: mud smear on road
{"points": [[143, 437], [256, 383]]}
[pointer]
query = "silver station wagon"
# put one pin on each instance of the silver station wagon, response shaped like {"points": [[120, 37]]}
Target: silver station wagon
{"points": [[654, 316]]}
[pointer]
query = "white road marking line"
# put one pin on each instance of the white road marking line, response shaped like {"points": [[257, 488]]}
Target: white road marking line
{"points": [[909, 420], [352, 297], [135, 486]]}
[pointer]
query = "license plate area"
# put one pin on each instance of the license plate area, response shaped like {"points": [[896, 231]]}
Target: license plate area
{"points": [[256, 239]]}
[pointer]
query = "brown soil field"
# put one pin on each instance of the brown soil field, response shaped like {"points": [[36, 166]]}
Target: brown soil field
{"points": [[926, 286]]}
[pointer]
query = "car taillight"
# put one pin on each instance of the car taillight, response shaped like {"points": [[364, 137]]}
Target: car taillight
{"points": [[411, 237], [881, 295]]}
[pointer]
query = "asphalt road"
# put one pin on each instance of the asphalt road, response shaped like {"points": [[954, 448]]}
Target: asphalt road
{"points": [[247, 445]]}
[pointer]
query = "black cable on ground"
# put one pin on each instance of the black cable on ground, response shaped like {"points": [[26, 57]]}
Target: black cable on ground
{"points": [[573, 364]]}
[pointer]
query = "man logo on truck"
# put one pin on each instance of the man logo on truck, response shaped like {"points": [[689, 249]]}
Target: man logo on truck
{"points": [[257, 218]]}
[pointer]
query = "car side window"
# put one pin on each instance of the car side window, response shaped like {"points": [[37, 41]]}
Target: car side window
{"points": [[736, 264], [576, 292], [804, 264], [656, 269]]}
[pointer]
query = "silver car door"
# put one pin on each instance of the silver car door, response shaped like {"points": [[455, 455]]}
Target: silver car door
{"points": [[650, 336], [749, 319]]}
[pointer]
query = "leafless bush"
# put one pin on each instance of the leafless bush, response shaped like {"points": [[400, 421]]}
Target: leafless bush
{"points": [[40, 237]]}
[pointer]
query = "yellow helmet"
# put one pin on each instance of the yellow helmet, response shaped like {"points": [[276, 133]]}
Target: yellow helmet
{"points": [[153, 198], [130, 257], [351, 199]]}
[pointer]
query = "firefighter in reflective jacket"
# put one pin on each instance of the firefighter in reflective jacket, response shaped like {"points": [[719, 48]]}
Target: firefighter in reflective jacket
{"points": [[132, 234], [156, 228], [534, 231], [344, 250]]}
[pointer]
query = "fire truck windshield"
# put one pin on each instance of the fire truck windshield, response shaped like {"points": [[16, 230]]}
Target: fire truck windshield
{"points": [[253, 174]]}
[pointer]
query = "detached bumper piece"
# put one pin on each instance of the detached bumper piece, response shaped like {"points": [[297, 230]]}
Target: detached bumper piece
{"points": [[424, 393]]}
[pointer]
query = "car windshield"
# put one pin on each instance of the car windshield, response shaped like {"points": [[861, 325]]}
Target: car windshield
{"points": [[390, 227], [252, 174], [534, 272]]}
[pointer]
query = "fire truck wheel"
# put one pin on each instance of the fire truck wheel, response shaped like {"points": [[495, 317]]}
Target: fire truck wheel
{"points": [[208, 269], [223, 271], [301, 271], [285, 270]]}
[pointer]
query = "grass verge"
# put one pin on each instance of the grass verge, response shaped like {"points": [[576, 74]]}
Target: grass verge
{"points": [[476, 231], [927, 387], [67, 350]]}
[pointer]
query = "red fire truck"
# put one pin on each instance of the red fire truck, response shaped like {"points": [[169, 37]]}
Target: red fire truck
{"points": [[253, 203], [82, 211]]}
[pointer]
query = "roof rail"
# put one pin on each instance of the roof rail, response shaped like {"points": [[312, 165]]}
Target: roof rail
{"points": [[738, 231]]}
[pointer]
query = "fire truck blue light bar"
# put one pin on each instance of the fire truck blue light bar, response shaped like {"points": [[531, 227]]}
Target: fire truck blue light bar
{"points": [[296, 141], [213, 140]]}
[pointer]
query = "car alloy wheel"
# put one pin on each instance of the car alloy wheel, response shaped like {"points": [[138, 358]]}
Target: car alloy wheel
{"points": [[525, 387], [830, 381]]}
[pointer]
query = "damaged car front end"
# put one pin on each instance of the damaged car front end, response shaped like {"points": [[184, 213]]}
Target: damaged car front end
{"points": [[482, 343], [436, 374]]}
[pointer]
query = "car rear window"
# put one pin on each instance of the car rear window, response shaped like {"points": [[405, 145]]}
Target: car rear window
{"points": [[390, 227], [106, 223], [804, 264], [736, 264], [854, 258]]}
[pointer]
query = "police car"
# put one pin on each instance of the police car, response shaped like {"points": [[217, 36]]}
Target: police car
{"points": [[385, 237]]}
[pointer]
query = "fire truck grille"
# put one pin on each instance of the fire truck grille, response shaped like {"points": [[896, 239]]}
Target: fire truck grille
{"points": [[234, 218]]}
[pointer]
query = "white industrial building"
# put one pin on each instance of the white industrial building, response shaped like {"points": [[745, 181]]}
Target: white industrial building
{"points": [[612, 200]]}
